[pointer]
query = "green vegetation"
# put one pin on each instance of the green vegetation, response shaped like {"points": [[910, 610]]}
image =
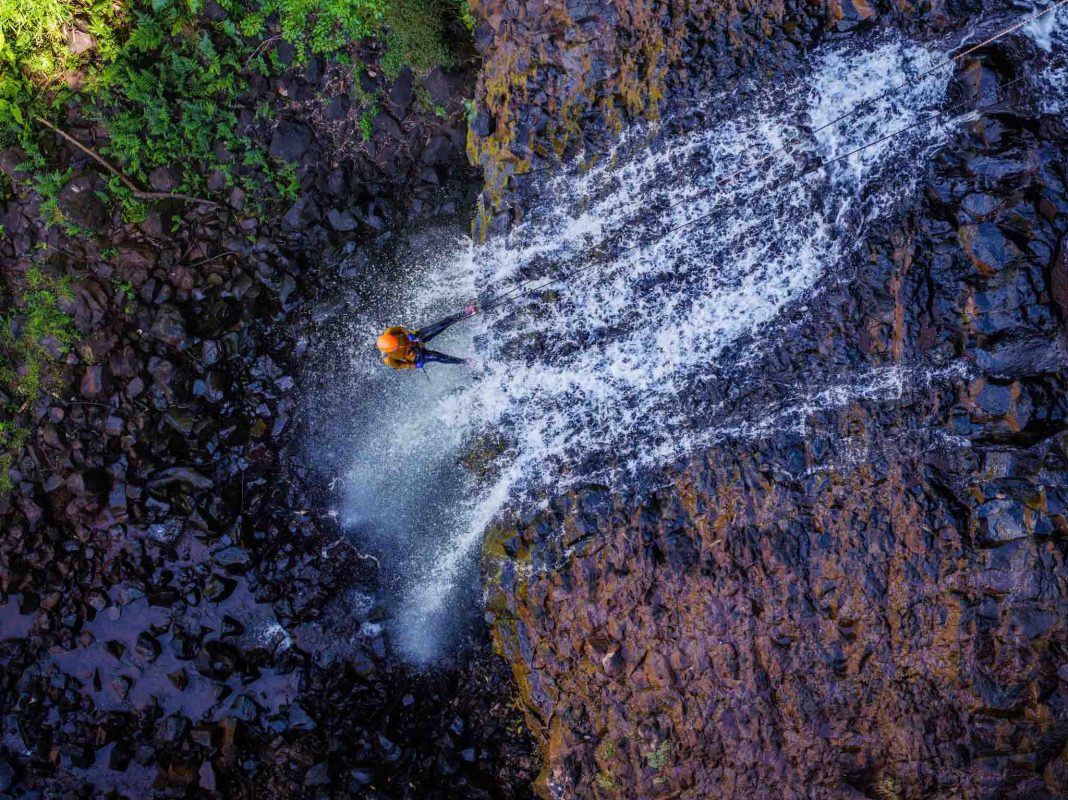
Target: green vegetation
{"points": [[40, 38], [34, 335], [327, 25], [163, 77], [12, 439], [415, 36], [466, 17], [606, 750], [48, 186], [605, 753], [605, 780], [124, 293], [661, 756], [6, 484], [367, 119]]}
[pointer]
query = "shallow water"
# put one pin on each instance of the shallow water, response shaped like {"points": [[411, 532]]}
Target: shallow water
{"points": [[588, 384]]}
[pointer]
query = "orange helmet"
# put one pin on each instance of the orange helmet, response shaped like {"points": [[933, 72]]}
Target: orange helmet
{"points": [[388, 342]]}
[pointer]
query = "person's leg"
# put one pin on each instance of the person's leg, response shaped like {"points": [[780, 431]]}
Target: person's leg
{"points": [[434, 357], [430, 331]]}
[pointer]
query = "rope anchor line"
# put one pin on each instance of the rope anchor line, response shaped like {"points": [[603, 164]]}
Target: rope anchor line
{"points": [[511, 295]]}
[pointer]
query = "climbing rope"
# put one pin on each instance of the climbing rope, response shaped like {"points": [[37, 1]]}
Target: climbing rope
{"points": [[913, 81], [787, 181], [517, 291]]}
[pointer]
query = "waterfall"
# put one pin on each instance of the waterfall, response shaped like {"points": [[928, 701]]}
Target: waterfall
{"points": [[590, 382]]}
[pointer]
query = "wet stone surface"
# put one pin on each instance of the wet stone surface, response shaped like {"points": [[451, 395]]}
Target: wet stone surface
{"points": [[871, 602], [178, 617]]}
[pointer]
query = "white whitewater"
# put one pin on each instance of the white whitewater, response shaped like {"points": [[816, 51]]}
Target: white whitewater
{"points": [[597, 375]]}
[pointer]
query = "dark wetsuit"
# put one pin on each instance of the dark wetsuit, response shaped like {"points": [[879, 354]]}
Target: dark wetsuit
{"points": [[412, 354]]}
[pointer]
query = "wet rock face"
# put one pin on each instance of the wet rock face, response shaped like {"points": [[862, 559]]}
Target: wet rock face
{"points": [[871, 603], [178, 615], [560, 78]]}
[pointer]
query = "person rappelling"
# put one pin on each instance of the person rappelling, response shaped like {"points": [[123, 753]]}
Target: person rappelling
{"points": [[402, 348]]}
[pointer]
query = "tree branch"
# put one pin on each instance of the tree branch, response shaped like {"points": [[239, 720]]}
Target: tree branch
{"points": [[260, 48], [140, 194]]}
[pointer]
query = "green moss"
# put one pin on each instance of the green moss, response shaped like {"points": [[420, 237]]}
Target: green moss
{"points": [[415, 36], [27, 364], [606, 750], [6, 484], [367, 119], [12, 439], [661, 756], [34, 34], [605, 753], [605, 780]]}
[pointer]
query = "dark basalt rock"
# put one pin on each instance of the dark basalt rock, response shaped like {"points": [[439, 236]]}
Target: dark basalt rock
{"points": [[92, 384], [338, 108], [741, 630], [169, 622], [1058, 283], [291, 140], [439, 86], [163, 179], [79, 200], [341, 221], [401, 93], [386, 124], [169, 326]]}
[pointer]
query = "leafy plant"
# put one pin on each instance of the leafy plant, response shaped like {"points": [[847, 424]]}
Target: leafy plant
{"points": [[466, 17], [125, 291], [286, 182], [328, 26], [133, 210], [163, 78], [415, 36], [367, 119], [661, 756], [605, 752], [605, 780], [49, 185], [34, 332]]}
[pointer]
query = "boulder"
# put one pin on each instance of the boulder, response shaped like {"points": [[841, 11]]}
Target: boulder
{"points": [[984, 245], [1058, 282], [164, 179], [80, 201], [341, 221], [169, 326], [400, 93], [291, 140]]}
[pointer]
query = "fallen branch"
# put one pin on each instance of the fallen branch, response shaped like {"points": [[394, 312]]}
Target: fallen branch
{"points": [[212, 258], [137, 192], [261, 47]]}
